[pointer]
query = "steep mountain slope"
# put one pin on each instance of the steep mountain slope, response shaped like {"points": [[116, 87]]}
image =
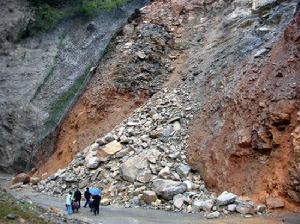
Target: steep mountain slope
{"points": [[41, 76], [244, 139], [228, 108]]}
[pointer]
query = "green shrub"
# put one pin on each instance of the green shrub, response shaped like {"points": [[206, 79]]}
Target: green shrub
{"points": [[49, 13]]}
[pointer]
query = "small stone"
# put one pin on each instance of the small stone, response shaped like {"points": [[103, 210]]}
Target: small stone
{"points": [[261, 208], [213, 215], [11, 216], [83, 184], [91, 27], [189, 209], [141, 54], [149, 197], [101, 141], [176, 126], [134, 201], [109, 138], [144, 176], [189, 185], [244, 138], [178, 200], [34, 180], [245, 209], [165, 173], [183, 170]]}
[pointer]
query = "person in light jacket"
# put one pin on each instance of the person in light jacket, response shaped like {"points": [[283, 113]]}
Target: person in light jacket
{"points": [[69, 203]]}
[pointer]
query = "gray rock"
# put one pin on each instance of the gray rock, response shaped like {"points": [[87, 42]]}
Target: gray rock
{"points": [[261, 208], [205, 205], [168, 131], [260, 53], [231, 207], [168, 188], [101, 141], [176, 126], [189, 184], [245, 208], [11, 216], [135, 201], [70, 178], [179, 199], [183, 170], [226, 198], [130, 168], [165, 173], [109, 138], [83, 184], [213, 215], [144, 176], [260, 6]]}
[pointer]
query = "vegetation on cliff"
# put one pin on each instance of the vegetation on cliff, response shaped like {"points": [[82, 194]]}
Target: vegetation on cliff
{"points": [[49, 13]]}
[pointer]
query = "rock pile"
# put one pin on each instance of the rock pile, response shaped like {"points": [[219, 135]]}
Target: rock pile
{"points": [[142, 162], [144, 65]]}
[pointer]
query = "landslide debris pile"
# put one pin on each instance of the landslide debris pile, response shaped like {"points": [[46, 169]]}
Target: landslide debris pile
{"points": [[135, 67], [144, 160], [142, 163]]}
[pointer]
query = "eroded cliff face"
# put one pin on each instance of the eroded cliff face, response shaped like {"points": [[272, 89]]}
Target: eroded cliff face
{"points": [[248, 141], [42, 75]]}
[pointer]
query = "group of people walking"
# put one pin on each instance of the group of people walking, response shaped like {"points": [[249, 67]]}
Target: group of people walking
{"points": [[92, 199]]}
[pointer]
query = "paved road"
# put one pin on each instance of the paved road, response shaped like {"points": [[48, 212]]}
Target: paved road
{"points": [[117, 215]]}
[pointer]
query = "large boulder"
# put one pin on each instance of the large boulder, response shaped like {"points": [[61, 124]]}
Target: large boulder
{"points": [[260, 6], [226, 198], [205, 205], [130, 169], [108, 150], [137, 166], [21, 178], [91, 159], [168, 188], [274, 202]]}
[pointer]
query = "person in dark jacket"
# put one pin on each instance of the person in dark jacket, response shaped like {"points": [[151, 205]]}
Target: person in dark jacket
{"points": [[77, 198], [96, 203], [87, 196]]}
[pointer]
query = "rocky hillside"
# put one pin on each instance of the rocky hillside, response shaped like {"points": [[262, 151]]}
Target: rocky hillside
{"points": [[194, 100], [222, 81], [42, 75]]}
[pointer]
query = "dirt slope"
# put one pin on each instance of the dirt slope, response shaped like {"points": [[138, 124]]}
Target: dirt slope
{"points": [[255, 149]]}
